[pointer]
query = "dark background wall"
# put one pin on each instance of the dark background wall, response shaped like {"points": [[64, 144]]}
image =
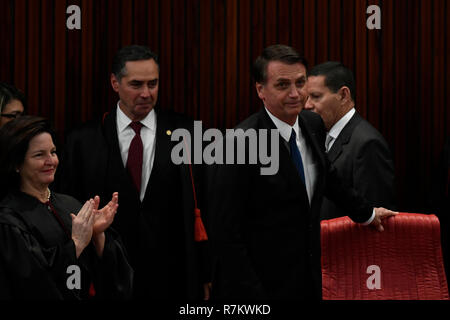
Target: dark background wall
{"points": [[206, 48]]}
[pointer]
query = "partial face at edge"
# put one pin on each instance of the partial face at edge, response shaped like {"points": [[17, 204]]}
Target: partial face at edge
{"points": [[13, 107]]}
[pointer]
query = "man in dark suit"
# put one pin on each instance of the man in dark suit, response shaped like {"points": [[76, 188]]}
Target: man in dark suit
{"points": [[356, 149], [265, 228], [129, 152]]}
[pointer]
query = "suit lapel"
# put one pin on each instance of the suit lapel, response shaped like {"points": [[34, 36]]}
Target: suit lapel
{"points": [[343, 138], [163, 149], [287, 168], [312, 137]]}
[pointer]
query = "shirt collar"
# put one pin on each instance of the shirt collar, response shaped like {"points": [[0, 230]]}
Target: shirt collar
{"points": [[338, 126], [123, 121], [284, 128]]}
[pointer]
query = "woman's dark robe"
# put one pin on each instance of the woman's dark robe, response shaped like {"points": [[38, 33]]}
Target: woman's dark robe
{"points": [[38, 258]]}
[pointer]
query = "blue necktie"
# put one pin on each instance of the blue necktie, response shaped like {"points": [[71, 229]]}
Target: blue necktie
{"points": [[296, 156]]}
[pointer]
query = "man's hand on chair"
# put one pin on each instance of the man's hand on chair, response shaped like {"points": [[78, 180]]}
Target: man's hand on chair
{"points": [[380, 214]]}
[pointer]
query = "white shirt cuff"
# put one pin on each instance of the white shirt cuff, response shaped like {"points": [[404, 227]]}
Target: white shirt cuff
{"points": [[370, 219]]}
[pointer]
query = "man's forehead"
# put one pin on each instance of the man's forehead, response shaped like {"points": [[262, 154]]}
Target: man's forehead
{"points": [[141, 69], [280, 70], [143, 78], [316, 82], [140, 63]]}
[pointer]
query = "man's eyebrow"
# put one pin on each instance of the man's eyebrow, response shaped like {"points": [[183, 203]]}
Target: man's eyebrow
{"points": [[283, 80], [142, 81]]}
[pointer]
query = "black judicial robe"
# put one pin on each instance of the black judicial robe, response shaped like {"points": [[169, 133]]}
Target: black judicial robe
{"points": [[158, 232], [36, 253]]}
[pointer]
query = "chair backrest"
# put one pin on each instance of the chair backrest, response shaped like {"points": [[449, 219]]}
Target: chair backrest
{"points": [[404, 262]]}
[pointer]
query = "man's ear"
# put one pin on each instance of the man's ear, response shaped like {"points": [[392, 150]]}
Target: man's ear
{"points": [[259, 90], [114, 83], [344, 94]]}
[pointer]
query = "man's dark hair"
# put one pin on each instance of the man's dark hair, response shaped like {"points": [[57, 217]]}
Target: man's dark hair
{"points": [[15, 137], [277, 52], [131, 53], [9, 93], [336, 76]]}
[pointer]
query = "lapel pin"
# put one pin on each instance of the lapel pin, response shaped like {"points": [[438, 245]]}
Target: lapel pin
{"points": [[168, 132]]}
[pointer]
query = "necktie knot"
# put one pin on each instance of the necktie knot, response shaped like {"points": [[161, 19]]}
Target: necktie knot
{"points": [[328, 140], [293, 137], [136, 126]]}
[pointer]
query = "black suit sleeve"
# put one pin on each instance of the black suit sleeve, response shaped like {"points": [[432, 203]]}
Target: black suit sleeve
{"points": [[357, 207], [374, 174]]}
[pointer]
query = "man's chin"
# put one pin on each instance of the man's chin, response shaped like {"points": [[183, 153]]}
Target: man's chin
{"points": [[144, 106], [143, 109], [295, 110]]}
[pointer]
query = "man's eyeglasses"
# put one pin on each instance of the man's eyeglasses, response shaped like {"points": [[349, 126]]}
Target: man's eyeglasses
{"points": [[11, 115]]}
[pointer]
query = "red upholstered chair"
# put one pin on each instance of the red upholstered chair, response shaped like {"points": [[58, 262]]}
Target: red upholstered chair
{"points": [[402, 263]]}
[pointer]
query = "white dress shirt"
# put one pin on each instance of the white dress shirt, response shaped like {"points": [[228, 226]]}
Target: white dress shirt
{"points": [[338, 126], [309, 165], [148, 133]]}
